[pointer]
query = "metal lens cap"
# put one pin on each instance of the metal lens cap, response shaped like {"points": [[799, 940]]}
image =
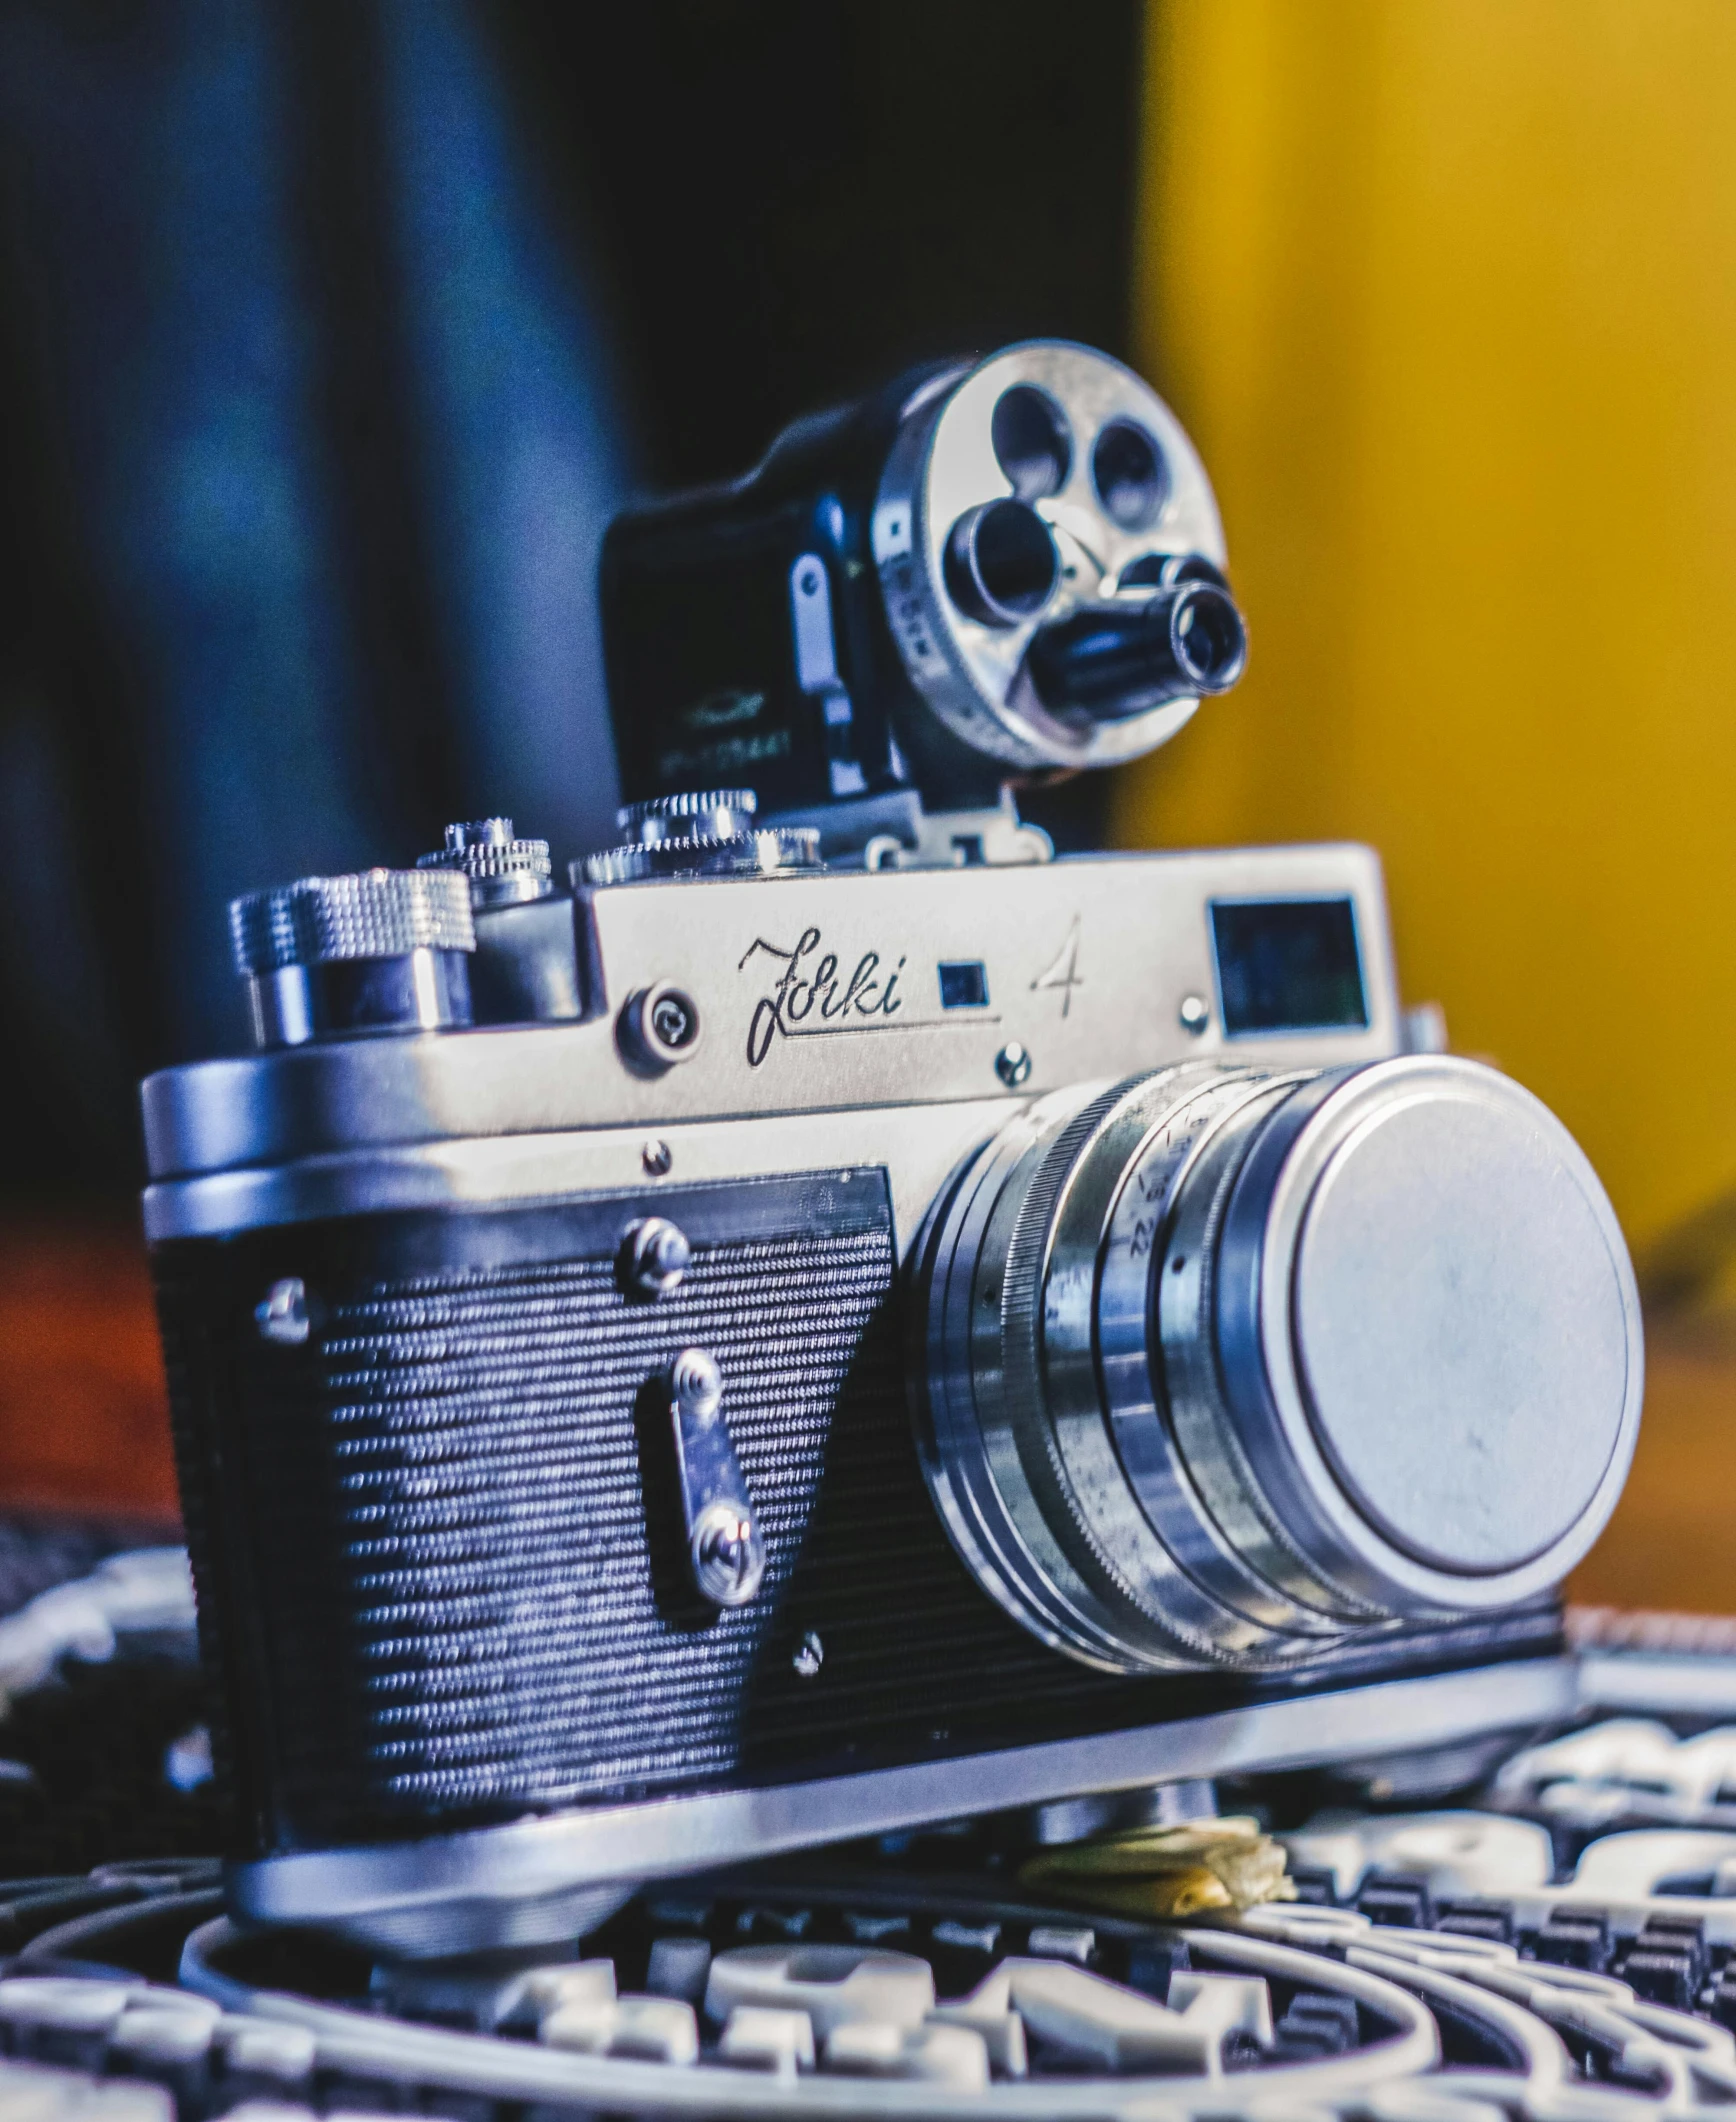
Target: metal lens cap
{"points": [[1461, 1314]]}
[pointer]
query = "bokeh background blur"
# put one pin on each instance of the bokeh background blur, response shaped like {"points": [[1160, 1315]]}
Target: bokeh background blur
{"points": [[331, 336], [1446, 292]]}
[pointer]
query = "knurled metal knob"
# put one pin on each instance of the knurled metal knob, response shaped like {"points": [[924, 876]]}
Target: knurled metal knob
{"points": [[689, 814], [502, 869], [376, 913], [762, 854], [708, 833]]}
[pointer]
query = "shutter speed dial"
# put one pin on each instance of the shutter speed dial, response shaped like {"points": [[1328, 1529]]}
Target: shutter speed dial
{"points": [[699, 833]]}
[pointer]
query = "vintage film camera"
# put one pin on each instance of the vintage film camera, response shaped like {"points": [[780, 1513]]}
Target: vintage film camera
{"points": [[839, 1322]]}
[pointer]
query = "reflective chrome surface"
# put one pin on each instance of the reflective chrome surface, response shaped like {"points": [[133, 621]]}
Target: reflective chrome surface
{"points": [[725, 1553], [1225, 1364], [380, 950], [1086, 963], [1050, 431], [698, 833], [501, 869], [515, 1883], [1429, 1330]]}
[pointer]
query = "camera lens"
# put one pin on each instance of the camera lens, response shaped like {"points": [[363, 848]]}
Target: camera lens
{"points": [[1210, 642], [1001, 563], [1116, 659], [1225, 1367], [1031, 443], [1166, 570], [1131, 476]]}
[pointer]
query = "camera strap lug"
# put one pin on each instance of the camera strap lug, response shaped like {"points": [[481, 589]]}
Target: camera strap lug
{"points": [[725, 1552]]}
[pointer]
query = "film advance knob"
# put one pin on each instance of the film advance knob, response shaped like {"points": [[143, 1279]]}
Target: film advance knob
{"points": [[654, 1258]]}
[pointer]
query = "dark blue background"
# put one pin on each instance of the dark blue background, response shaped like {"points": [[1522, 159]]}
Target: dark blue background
{"points": [[330, 337]]}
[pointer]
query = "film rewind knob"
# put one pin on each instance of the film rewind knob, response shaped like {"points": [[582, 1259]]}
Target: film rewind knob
{"points": [[381, 950]]}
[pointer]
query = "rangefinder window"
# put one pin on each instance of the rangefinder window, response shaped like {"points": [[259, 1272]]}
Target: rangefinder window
{"points": [[964, 985], [1288, 965]]}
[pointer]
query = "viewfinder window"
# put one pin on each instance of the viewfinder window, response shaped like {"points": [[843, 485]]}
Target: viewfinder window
{"points": [[964, 985], [1288, 965]]}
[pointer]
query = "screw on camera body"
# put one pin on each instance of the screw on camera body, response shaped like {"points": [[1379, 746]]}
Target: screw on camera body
{"points": [[654, 1257], [659, 1026], [698, 1384], [1013, 1064], [672, 1020], [728, 1561], [284, 1317]]}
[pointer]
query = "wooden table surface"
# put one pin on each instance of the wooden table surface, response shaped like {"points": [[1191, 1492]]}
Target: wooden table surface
{"points": [[84, 1422], [84, 1419]]}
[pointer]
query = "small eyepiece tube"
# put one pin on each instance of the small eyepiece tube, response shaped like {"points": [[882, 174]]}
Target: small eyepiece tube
{"points": [[1112, 660], [1001, 563]]}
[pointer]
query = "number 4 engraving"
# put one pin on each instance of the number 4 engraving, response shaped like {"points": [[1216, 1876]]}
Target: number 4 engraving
{"points": [[1064, 973]]}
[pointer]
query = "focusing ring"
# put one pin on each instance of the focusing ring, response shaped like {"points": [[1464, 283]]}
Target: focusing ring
{"points": [[1225, 1367]]}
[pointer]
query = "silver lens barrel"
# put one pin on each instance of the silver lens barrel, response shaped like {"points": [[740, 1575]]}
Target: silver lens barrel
{"points": [[1220, 1366]]}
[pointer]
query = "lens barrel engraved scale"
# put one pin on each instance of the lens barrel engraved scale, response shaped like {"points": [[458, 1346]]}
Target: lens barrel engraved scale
{"points": [[836, 1320]]}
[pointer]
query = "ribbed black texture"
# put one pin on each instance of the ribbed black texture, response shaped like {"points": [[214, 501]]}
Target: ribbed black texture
{"points": [[450, 1550], [439, 1549], [507, 1634]]}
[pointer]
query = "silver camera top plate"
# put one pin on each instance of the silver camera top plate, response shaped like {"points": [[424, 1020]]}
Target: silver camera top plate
{"points": [[837, 993]]}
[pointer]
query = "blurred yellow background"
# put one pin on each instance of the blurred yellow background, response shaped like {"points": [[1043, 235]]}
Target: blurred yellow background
{"points": [[1445, 291]]}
